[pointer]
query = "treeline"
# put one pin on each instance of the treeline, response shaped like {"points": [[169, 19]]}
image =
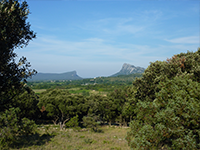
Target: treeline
{"points": [[61, 106], [95, 82]]}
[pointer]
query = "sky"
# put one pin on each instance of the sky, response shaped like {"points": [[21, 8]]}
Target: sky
{"points": [[96, 37]]}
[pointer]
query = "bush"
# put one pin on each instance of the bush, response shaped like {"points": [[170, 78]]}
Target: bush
{"points": [[11, 128], [90, 122], [171, 120], [73, 122], [167, 109]]}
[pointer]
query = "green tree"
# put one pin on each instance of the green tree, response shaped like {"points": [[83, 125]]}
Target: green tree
{"points": [[159, 71], [91, 122], [61, 105], [27, 103], [129, 105], [119, 97], [171, 120], [12, 127], [14, 33], [73, 122], [167, 105]]}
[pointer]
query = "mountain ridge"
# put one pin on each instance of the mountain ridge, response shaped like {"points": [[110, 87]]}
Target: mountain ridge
{"points": [[128, 69], [72, 75]]}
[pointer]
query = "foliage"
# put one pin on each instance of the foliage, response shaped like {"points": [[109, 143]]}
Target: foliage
{"points": [[73, 122], [11, 127], [91, 122], [27, 102], [14, 33], [159, 71], [167, 109], [99, 84], [61, 105], [122, 103]]}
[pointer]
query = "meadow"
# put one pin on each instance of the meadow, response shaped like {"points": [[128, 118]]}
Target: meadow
{"points": [[50, 137]]}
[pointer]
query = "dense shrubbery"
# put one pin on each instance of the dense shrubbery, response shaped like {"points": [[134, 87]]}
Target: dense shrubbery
{"points": [[167, 109]]}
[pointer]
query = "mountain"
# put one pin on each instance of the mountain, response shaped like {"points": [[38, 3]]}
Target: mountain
{"points": [[129, 69], [56, 76]]}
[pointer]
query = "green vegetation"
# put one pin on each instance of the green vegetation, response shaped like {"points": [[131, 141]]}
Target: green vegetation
{"points": [[105, 83], [162, 107], [62, 106], [86, 87], [167, 109], [14, 33], [111, 138]]}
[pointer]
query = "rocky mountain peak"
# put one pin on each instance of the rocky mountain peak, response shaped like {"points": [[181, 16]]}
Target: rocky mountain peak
{"points": [[129, 69]]}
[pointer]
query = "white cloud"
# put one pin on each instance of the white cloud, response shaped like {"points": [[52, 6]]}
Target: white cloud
{"points": [[185, 40], [94, 56], [136, 23]]}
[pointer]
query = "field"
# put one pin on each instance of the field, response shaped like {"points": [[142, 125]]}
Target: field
{"points": [[38, 91], [50, 138], [75, 91]]}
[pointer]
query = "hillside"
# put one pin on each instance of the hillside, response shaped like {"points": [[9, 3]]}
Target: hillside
{"points": [[55, 76], [129, 69]]}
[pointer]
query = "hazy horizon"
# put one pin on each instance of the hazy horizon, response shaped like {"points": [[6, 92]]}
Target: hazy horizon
{"points": [[95, 38]]}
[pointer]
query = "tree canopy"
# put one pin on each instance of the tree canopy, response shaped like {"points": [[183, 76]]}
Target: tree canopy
{"points": [[61, 105], [14, 33], [167, 109]]}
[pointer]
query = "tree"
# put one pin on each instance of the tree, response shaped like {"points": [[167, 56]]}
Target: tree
{"points": [[167, 105], [96, 107], [11, 128], [172, 120], [14, 33], [61, 105], [159, 71], [119, 97], [27, 103]]}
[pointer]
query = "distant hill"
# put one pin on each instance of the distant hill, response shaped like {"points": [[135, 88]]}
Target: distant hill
{"points": [[56, 76], [129, 69]]}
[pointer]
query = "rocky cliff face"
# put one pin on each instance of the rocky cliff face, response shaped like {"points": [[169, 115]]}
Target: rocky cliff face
{"points": [[129, 69]]}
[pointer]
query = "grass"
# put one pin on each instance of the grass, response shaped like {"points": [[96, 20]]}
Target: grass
{"points": [[38, 91], [51, 138]]}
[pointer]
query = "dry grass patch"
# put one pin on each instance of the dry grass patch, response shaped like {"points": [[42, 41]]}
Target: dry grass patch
{"points": [[38, 91], [111, 139]]}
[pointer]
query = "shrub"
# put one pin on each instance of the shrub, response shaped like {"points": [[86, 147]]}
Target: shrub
{"points": [[73, 122], [90, 122], [172, 120], [167, 110], [11, 128]]}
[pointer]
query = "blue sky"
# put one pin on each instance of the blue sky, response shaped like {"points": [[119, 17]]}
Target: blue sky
{"points": [[95, 37]]}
